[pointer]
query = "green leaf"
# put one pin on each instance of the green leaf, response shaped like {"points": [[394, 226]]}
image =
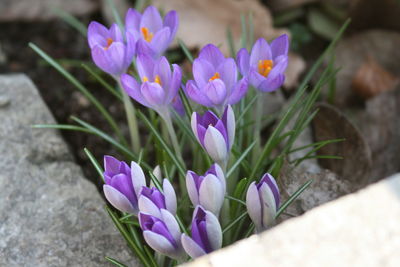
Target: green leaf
{"points": [[232, 224], [115, 262], [82, 89], [293, 197], [231, 43], [69, 127], [239, 160], [236, 199], [71, 20], [95, 163], [185, 50], [116, 15], [243, 39]]}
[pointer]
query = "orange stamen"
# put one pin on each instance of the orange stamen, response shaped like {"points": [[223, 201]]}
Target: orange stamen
{"points": [[265, 66], [216, 76], [145, 79], [109, 42], [147, 35], [157, 79]]}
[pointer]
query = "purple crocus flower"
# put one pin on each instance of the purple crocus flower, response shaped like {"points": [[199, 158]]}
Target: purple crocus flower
{"points": [[153, 35], [162, 233], [206, 234], [122, 184], [215, 135], [207, 190], [159, 85], [109, 50], [263, 201], [215, 81], [266, 64], [151, 200]]}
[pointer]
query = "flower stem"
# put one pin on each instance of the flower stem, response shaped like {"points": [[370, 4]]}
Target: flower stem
{"points": [[131, 117], [257, 126], [171, 131]]}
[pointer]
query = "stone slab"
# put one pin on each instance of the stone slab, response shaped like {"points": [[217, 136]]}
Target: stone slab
{"points": [[50, 215], [360, 229]]}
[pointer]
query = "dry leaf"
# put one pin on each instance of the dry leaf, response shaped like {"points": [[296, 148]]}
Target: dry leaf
{"points": [[206, 21]]}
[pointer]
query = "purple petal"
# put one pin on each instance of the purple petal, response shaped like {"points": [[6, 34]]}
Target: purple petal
{"points": [[191, 247], [146, 205], [260, 51], [280, 46], [198, 233], [220, 126], [160, 41], [275, 78], [160, 228], [270, 181], [97, 34], [132, 20], [171, 224], [268, 205], [130, 49], [216, 92], [214, 231], [132, 88], [115, 33], [202, 71], [171, 20], [212, 54], [253, 204], [174, 88], [116, 54], [163, 70], [178, 105], [153, 93], [194, 93], [208, 118], [217, 171], [143, 47], [170, 196], [238, 92], [151, 19], [123, 184], [215, 144], [105, 62], [145, 66], [228, 74], [255, 78], [159, 243], [118, 200], [111, 165], [211, 194], [192, 188], [228, 118], [243, 60], [138, 179]]}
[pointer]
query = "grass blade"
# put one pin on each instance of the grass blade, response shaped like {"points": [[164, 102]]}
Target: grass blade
{"points": [[71, 20], [115, 262], [185, 50], [239, 160], [95, 163], [62, 127]]}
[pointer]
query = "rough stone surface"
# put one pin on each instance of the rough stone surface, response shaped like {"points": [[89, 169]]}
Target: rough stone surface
{"points": [[361, 229], [49, 214]]}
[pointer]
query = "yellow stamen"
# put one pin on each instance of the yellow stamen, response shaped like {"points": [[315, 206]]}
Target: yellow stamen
{"points": [[145, 79], [216, 76], [147, 35], [157, 80], [265, 66], [109, 42]]}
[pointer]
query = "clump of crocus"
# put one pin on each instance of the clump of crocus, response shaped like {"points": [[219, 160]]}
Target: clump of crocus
{"points": [[206, 234], [162, 233], [266, 64], [151, 200], [153, 35], [159, 85], [110, 52], [215, 135], [215, 81], [207, 190], [122, 184], [262, 201]]}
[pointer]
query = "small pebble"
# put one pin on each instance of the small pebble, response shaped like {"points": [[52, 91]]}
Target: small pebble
{"points": [[4, 101]]}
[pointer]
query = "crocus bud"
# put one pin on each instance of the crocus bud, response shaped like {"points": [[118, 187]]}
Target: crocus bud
{"points": [[122, 184], [152, 32], [110, 52], [206, 234], [151, 200], [207, 190], [262, 202], [266, 64], [215, 81], [162, 233], [215, 135]]}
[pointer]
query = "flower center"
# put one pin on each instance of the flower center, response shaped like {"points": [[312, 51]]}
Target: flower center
{"points": [[157, 79], [265, 66], [147, 35], [109, 42], [216, 76]]}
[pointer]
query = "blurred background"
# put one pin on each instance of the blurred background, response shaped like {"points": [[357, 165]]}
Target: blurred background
{"points": [[365, 91]]}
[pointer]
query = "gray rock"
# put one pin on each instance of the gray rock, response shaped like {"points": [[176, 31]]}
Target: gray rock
{"points": [[49, 214], [360, 229]]}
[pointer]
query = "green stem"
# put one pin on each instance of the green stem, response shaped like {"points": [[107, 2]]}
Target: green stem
{"points": [[257, 126], [131, 117], [171, 131]]}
